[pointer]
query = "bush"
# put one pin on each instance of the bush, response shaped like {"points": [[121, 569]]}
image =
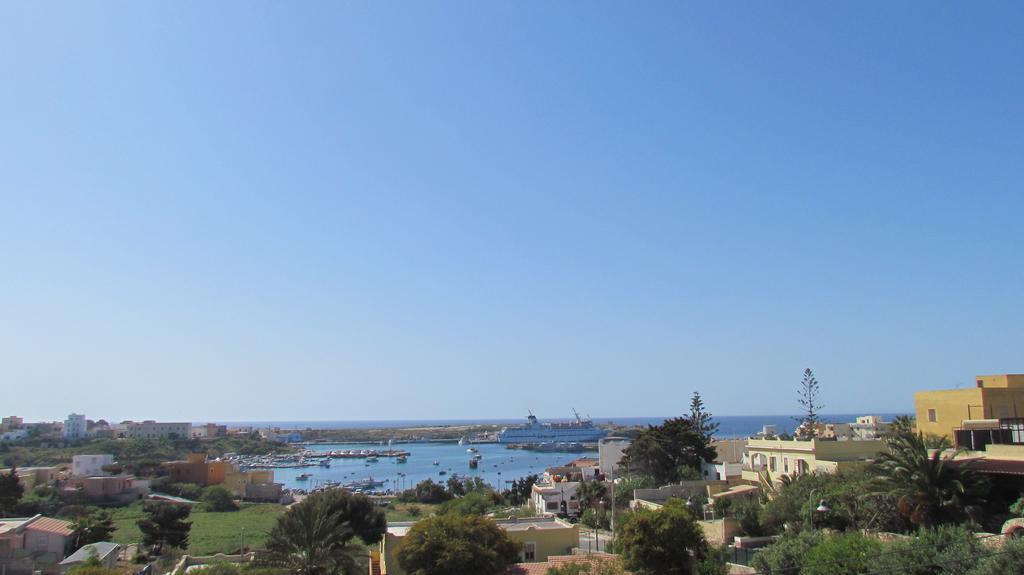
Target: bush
{"points": [[218, 499], [748, 514], [947, 550], [457, 545], [660, 541], [849, 554], [1011, 560], [475, 503], [786, 556], [187, 490]]}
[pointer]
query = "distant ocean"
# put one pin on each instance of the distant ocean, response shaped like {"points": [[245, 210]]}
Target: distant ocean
{"points": [[728, 426]]}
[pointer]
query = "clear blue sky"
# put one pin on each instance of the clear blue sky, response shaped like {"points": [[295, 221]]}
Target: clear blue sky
{"points": [[365, 210]]}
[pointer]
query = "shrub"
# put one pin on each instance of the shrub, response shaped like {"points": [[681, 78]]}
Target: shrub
{"points": [[848, 554], [948, 550], [218, 499], [786, 556]]}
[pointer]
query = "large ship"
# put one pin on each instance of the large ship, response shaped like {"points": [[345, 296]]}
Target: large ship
{"points": [[534, 432]]}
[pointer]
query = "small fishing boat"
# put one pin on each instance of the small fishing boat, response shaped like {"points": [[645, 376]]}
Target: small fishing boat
{"points": [[436, 462], [473, 463], [304, 477], [401, 459], [442, 472]]}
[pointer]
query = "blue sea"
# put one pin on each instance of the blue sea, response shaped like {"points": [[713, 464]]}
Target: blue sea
{"points": [[729, 426], [499, 465]]}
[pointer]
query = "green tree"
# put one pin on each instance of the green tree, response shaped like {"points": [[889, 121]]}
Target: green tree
{"points": [[315, 537], [808, 400], [703, 424], [660, 542], [521, 489], [427, 491], [847, 554], [473, 503], [11, 491], [456, 545], [164, 525], [92, 528], [625, 487], [590, 494], [218, 499], [930, 489], [668, 452], [786, 556]]}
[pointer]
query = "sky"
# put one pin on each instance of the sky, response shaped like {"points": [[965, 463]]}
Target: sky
{"points": [[386, 210]]}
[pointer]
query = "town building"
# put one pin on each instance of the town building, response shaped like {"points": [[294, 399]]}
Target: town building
{"points": [[31, 477], [104, 551], [121, 489], [540, 537], [209, 430], [150, 429], [34, 544], [13, 435], [996, 402], [610, 451], [870, 427], [11, 423], [551, 497], [254, 485], [728, 462], [771, 459], [75, 427], [91, 465]]}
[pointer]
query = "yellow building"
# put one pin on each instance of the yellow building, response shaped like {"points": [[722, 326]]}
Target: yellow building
{"points": [[770, 459], [540, 538], [993, 397]]}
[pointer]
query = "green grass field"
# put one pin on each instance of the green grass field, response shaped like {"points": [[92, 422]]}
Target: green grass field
{"points": [[211, 532]]}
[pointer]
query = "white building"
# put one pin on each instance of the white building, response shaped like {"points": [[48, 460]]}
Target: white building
{"points": [[728, 461], [556, 498], [91, 465], [150, 429], [609, 453], [74, 427], [870, 427]]}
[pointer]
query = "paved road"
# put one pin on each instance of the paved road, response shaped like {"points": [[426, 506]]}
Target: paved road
{"points": [[591, 542]]}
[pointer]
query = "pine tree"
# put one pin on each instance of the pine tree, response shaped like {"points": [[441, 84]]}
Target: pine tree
{"points": [[808, 399], [701, 420]]}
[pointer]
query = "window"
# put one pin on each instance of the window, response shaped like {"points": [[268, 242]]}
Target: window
{"points": [[529, 551], [785, 465], [932, 416], [772, 464], [981, 383], [552, 505]]}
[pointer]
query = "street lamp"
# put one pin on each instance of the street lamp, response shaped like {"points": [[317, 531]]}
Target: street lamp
{"points": [[822, 508]]}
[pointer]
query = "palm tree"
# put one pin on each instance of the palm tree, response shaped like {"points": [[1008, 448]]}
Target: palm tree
{"points": [[930, 489], [315, 536], [589, 493]]}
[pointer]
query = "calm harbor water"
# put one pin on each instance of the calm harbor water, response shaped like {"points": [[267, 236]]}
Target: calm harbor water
{"points": [[497, 466]]}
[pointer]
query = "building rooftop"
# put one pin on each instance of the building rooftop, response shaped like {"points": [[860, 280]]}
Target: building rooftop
{"points": [[100, 550], [400, 528], [37, 523]]}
